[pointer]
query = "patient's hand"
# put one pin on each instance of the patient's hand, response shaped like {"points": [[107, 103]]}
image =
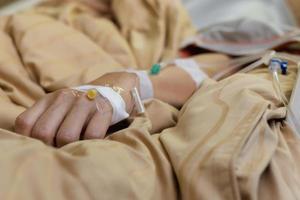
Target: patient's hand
{"points": [[61, 117]]}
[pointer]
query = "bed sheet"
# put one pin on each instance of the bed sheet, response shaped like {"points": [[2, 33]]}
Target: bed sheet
{"points": [[228, 142]]}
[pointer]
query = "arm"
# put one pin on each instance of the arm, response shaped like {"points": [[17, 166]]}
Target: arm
{"points": [[175, 86], [61, 117]]}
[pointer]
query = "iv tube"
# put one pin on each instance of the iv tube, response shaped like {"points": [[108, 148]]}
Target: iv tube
{"points": [[274, 67]]}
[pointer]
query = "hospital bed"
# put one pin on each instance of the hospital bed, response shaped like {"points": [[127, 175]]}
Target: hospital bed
{"points": [[223, 166]]}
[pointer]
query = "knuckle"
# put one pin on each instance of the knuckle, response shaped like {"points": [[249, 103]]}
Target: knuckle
{"points": [[22, 122], [98, 132], [64, 95], [82, 100], [64, 138], [93, 135], [42, 133]]}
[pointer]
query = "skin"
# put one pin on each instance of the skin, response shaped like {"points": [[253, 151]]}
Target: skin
{"points": [[61, 118]]}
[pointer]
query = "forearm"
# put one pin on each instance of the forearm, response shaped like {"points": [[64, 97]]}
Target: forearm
{"points": [[175, 86], [172, 85]]}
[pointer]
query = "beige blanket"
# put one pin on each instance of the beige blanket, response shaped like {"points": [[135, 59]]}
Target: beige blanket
{"points": [[229, 141]]}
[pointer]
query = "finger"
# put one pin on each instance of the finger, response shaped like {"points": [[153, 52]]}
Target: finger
{"points": [[98, 125], [47, 125], [73, 125], [26, 121]]}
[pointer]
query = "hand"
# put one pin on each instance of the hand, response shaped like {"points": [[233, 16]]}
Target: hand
{"points": [[61, 117]]}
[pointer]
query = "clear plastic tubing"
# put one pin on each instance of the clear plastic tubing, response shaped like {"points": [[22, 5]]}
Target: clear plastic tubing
{"points": [[275, 67]]}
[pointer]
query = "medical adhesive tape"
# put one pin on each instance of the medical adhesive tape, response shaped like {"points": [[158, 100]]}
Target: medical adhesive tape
{"points": [[115, 99], [193, 69], [188, 65], [146, 87]]}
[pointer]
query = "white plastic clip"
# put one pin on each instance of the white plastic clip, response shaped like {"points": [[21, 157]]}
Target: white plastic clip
{"points": [[137, 101]]}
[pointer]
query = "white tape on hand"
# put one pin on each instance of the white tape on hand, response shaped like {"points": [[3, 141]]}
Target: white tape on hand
{"points": [[193, 69], [115, 99]]}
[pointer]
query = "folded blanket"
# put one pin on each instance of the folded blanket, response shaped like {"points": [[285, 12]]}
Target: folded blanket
{"points": [[229, 141]]}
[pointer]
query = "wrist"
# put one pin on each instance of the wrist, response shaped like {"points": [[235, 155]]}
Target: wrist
{"points": [[123, 83]]}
